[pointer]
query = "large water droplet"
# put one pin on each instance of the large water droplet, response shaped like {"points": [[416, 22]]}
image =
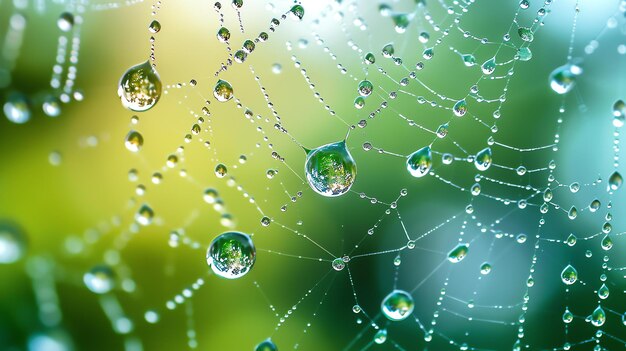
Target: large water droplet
{"points": [[381, 336], [223, 91], [598, 317], [619, 113], [489, 66], [140, 87], [460, 108], [12, 243], [100, 279], [569, 275], [16, 108], [615, 181], [420, 162], [297, 12], [458, 253], [398, 305], [231, 255], [603, 292], [267, 345], [401, 21], [563, 78], [330, 169], [483, 159], [133, 141]]}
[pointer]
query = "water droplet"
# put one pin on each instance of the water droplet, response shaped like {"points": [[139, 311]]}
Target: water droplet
{"points": [[428, 54], [231, 255], [569, 275], [598, 317], [265, 221], [210, 195], [154, 26], [526, 34], [458, 253], [469, 60], [223, 34], [267, 345], [460, 108], [489, 66], [571, 240], [16, 108], [297, 12], [615, 181], [398, 305], [603, 292], [221, 170], [568, 317], [365, 88], [100, 279], [65, 22], [381, 336], [442, 131], [51, 106], [572, 213], [369, 59], [619, 113], [420, 162], [12, 243], [133, 141], [144, 215], [330, 169], [483, 159], [524, 53], [223, 91], [607, 243], [388, 50], [140, 87], [485, 268], [401, 21], [563, 78], [338, 264]]}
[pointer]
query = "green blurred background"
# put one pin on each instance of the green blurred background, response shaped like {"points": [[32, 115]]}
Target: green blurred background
{"points": [[88, 195]]}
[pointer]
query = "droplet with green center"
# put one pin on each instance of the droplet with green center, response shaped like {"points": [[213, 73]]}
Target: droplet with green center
{"points": [[330, 169], [140, 87], [231, 255], [398, 305]]}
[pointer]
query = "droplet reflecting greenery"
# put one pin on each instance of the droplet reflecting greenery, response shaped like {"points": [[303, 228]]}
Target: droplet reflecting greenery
{"points": [[100, 279], [458, 253], [330, 169], [420, 162], [140, 87], [398, 305], [223, 91], [569, 275], [231, 255], [483, 159]]}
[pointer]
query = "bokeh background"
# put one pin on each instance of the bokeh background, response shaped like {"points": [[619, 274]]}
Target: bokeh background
{"points": [[79, 212]]}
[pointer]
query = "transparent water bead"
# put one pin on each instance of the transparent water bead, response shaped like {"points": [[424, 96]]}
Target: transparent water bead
{"points": [[133, 141], [420, 162], [615, 181], [12, 243], [140, 87], [17, 108], [483, 159], [563, 78], [598, 317], [569, 275], [223, 91], [330, 169], [231, 255], [100, 279], [398, 305], [458, 253], [266, 345]]}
